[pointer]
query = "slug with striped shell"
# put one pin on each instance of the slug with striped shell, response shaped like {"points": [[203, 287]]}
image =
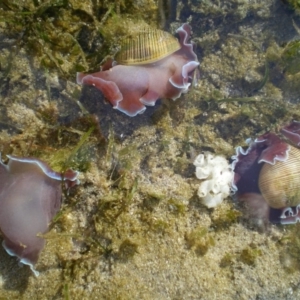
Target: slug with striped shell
{"points": [[152, 64], [267, 176]]}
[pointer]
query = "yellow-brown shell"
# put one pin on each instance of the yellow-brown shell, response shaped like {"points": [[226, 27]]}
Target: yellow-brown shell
{"points": [[280, 183], [147, 46]]}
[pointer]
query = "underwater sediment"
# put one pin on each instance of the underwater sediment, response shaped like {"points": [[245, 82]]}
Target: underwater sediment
{"points": [[135, 228]]}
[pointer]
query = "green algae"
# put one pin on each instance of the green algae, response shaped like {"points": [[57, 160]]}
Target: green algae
{"points": [[200, 240], [227, 260], [249, 255], [223, 218], [294, 4], [77, 157], [41, 37], [291, 57], [151, 200], [53, 31], [116, 202], [127, 250], [176, 207]]}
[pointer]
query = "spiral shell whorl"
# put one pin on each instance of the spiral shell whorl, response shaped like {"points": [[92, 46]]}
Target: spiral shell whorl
{"points": [[280, 183]]}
